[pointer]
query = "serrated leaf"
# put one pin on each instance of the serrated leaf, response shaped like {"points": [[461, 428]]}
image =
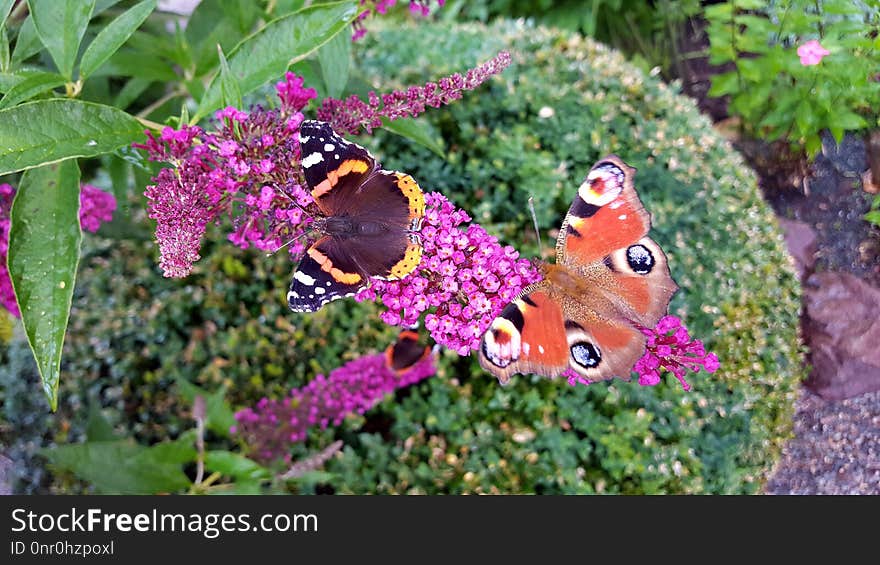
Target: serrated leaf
{"points": [[335, 60], [235, 465], [113, 36], [61, 26], [266, 54], [27, 43], [31, 86], [47, 131], [44, 248], [418, 131], [231, 93]]}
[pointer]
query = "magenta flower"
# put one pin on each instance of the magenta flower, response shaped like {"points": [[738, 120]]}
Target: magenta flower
{"points": [[349, 116], [380, 7], [248, 171], [464, 280], [670, 347], [96, 206], [811, 53], [273, 425]]}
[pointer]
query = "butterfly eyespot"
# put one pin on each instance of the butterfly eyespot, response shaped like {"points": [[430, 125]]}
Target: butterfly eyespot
{"points": [[640, 259], [586, 354]]}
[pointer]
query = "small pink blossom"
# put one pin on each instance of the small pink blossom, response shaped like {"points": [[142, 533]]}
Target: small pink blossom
{"points": [[811, 53], [669, 346]]}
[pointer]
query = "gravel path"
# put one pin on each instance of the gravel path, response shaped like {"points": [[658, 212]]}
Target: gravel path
{"points": [[836, 448]]}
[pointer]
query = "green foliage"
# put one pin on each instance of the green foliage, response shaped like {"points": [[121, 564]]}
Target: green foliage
{"points": [[44, 241], [778, 97], [873, 215], [135, 337], [107, 55], [648, 32]]}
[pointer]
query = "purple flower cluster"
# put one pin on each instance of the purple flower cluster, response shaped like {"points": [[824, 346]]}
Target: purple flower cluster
{"points": [[95, 207], [273, 425], [248, 170], [669, 346], [465, 276], [350, 115], [380, 7]]}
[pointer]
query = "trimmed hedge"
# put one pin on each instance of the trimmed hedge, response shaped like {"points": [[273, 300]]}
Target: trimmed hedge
{"points": [[134, 333]]}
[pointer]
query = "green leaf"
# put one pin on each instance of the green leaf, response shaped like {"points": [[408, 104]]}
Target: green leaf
{"points": [[27, 44], [179, 452], [5, 60], [61, 26], [849, 120], [725, 83], [44, 240], [812, 145], [418, 131], [335, 60], [266, 54], [113, 36], [120, 171], [131, 63], [228, 85], [218, 22], [804, 117], [47, 131], [130, 92], [235, 465], [97, 426], [31, 86], [117, 467], [5, 7], [219, 417]]}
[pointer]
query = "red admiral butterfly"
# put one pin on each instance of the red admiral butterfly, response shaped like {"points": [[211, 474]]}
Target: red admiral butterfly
{"points": [[369, 221], [406, 352]]}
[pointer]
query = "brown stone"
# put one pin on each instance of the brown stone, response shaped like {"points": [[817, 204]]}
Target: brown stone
{"points": [[801, 242], [842, 329]]}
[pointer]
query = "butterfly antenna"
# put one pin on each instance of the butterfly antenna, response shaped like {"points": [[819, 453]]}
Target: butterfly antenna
{"points": [[535, 223], [297, 238]]}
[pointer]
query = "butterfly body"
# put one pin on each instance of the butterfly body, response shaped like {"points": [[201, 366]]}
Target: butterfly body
{"points": [[609, 278], [369, 220]]}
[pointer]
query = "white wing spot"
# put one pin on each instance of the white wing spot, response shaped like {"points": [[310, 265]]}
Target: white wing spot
{"points": [[312, 160], [336, 156], [621, 217], [319, 290], [328, 147], [304, 138], [329, 283], [304, 278], [541, 349], [616, 204]]}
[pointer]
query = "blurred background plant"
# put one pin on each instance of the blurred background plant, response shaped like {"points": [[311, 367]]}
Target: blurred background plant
{"points": [[141, 348], [801, 67]]}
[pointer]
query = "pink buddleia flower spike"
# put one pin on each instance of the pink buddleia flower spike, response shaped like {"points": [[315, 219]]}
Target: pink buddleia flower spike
{"points": [[248, 170], [273, 425], [464, 280], [670, 347], [351, 115]]}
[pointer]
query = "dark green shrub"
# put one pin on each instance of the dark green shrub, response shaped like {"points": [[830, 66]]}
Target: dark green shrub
{"points": [[133, 333]]}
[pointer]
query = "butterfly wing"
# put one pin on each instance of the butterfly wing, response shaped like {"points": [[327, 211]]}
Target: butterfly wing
{"points": [[527, 337], [325, 273], [609, 278], [334, 168], [389, 208], [406, 352]]}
